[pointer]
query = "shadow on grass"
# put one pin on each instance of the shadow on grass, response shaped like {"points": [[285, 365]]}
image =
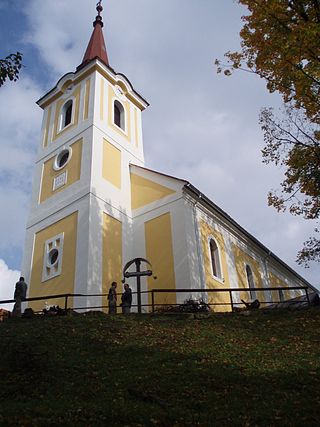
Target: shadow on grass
{"points": [[103, 372]]}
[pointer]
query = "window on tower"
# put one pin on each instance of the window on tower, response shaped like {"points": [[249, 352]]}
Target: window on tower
{"points": [[62, 158], [52, 260], [119, 115], [215, 259], [66, 115]]}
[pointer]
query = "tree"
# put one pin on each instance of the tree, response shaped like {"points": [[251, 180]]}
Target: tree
{"points": [[291, 142], [280, 44], [10, 67]]}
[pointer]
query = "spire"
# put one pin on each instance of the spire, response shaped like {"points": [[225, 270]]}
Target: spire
{"points": [[96, 47]]}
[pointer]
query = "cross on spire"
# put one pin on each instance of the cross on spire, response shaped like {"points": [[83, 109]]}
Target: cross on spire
{"points": [[96, 47], [99, 9]]}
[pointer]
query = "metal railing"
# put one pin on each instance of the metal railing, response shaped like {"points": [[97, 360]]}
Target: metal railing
{"points": [[190, 292], [230, 291]]}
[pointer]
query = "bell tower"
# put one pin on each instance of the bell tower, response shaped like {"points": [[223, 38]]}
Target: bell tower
{"points": [[79, 229]]}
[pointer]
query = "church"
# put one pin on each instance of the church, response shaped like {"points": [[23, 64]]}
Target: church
{"points": [[95, 206]]}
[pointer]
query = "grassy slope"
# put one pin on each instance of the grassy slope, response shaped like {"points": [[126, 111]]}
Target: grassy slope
{"points": [[151, 371]]}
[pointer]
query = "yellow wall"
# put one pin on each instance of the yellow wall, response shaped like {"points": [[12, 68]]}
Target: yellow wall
{"points": [[126, 105], [73, 168], [76, 95], [111, 166], [111, 255], [144, 191], [222, 298], [159, 251], [64, 283], [241, 260]]}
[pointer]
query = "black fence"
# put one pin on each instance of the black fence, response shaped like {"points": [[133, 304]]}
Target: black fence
{"points": [[154, 304], [234, 302]]}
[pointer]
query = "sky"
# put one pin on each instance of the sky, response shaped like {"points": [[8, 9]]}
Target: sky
{"points": [[200, 126]]}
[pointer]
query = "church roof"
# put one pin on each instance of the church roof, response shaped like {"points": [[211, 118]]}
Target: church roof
{"points": [[96, 47], [203, 200]]}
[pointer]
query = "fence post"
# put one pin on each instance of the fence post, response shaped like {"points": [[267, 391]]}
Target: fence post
{"points": [[152, 300], [66, 303], [231, 300], [307, 295]]}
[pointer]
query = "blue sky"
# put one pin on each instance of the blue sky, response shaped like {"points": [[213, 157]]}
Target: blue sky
{"points": [[200, 126]]}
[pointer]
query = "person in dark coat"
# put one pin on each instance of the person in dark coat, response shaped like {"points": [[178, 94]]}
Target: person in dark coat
{"points": [[112, 298], [20, 294], [126, 299]]}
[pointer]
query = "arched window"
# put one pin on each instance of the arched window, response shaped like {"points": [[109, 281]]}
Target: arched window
{"points": [[66, 114], [215, 259], [119, 115], [250, 280]]}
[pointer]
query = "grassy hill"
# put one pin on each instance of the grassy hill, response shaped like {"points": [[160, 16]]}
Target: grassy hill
{"points": [[97, 370]]}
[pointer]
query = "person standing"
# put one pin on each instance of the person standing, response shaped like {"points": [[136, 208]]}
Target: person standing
{"points": [[20, 295], [126, 299], [112, 298]]}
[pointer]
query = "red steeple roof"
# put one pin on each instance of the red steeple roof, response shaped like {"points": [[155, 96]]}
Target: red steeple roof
{"points": [[96, 47]]}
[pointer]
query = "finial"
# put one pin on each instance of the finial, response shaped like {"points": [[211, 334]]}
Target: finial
{"points": [[99, 7], [99, 17]]}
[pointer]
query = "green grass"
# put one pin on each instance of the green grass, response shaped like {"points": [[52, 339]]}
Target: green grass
{"points": [[227, 370]]}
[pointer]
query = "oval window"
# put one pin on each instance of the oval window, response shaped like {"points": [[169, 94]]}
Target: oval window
{"points": [[53, 257], [62, 158]]}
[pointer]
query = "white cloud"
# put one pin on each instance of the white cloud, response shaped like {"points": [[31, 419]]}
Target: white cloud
{"points": [[8, 279], [13, 216], [20, 124], [60, 31], [292, 230]]}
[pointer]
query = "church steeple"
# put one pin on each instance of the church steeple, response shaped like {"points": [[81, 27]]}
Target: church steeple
{"points": [[96, 47], [80, 223]]}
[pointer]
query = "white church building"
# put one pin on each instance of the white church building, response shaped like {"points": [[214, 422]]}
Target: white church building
{"points": [[95, 206]]}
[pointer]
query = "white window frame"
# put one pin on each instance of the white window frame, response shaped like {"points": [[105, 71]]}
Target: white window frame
{"points": [[49, 271], [63, 113], [221, 278], [114, 100], [56, 167]]}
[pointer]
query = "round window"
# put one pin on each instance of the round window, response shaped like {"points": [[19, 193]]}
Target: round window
{"points": [[53, 257], [62, 158]]}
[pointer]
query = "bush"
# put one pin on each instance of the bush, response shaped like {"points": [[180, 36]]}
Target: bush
{"points": [[189, 306]]}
